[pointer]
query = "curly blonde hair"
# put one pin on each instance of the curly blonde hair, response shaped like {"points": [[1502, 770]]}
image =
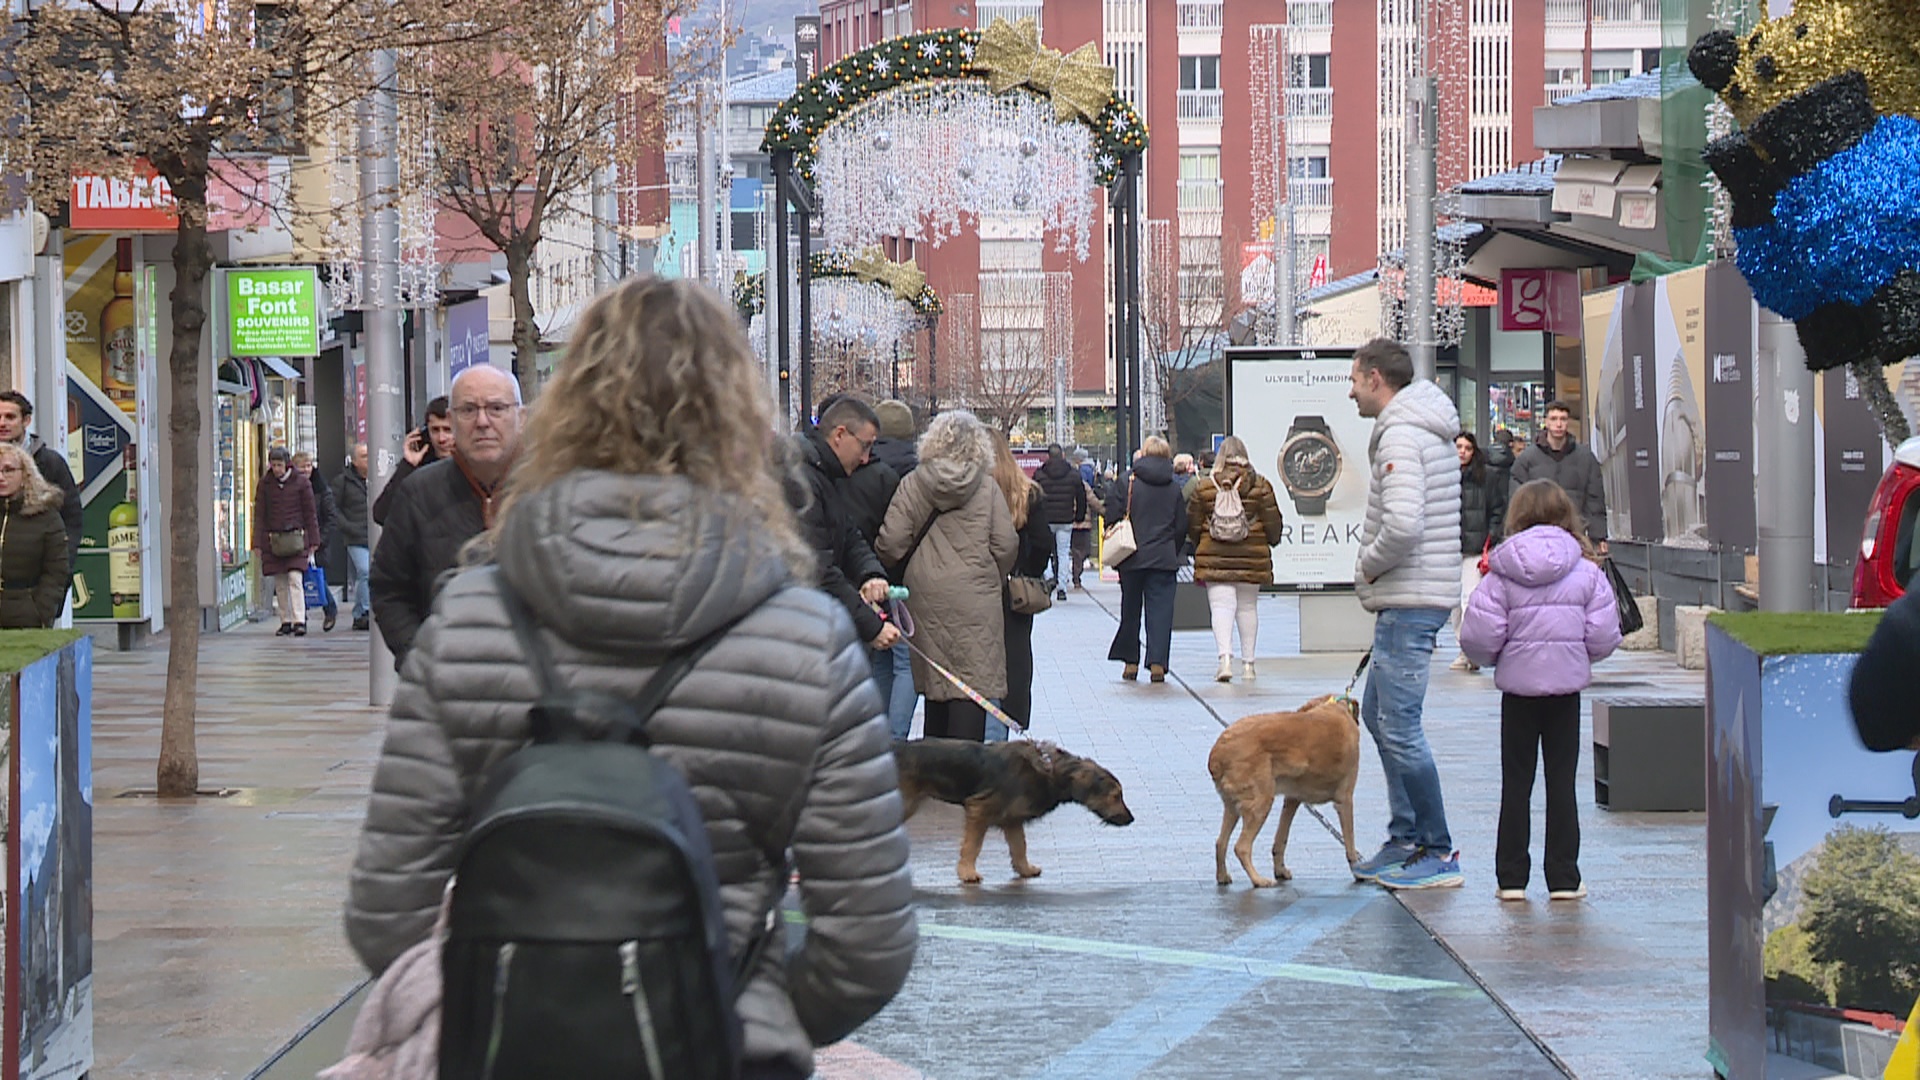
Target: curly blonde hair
{"points": [[36, 492], [660, 380], [957, 436]]}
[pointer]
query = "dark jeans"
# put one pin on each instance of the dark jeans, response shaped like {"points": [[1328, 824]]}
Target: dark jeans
{"points": [[960, 719], [1551, 727], [1148, 593], [1019, 700], [1082, 550]]}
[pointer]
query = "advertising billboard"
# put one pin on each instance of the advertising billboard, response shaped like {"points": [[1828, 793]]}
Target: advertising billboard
{"points": [[273, 312], [1304, 434]]}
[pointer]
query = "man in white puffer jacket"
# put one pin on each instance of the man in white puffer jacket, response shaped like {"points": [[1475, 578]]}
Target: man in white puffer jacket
{"points": [[1408, 575]]}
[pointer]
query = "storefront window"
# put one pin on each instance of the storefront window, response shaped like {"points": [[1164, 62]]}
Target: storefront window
{"points": [[233, 476], [1516, 406]]}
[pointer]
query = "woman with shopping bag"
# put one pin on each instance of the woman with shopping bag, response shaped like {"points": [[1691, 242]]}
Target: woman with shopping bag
{"points": [[1152, 520], [286, 531]]}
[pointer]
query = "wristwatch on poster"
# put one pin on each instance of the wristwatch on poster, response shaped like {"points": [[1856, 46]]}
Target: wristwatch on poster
{"points": [[1309, 464]]}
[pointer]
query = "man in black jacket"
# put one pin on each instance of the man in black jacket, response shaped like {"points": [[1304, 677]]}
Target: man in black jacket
{"points": [[445, 504], [1065, 499], [431, 442], [829, 453], [350, 499], [1558, 457], [869, 487], [16, 415]]}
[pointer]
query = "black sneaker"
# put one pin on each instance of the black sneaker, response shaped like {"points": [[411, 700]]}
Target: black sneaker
{"points": [[1061, 595], [286, 628], [300, 629], [361, 623]]}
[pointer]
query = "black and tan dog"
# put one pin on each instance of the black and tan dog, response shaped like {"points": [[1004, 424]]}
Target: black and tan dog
{"points": [[1003, 786]]}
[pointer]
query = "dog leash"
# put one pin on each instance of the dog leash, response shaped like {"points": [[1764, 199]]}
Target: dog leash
{"points": [[1346, 696], [902, 620]]}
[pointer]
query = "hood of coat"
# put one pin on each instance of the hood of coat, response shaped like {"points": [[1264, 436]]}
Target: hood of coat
{"points": [[27, 504], [1230, 472], [623, 563], [1424, 405], [1154, 469], [1546, 444], [1054, 468], [1539, 556], [956, 458], [818, 455]]}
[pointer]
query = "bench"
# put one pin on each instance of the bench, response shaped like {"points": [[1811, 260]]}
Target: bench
{"points": [[1650, 753]]}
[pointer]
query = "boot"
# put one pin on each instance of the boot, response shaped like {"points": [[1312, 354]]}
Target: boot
{"points": [[1246, 669], [1156, 673], [1130, 672], [1225, 674]]}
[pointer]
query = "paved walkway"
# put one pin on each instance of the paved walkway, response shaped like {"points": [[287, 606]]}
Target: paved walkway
{"points": [[1123, 959]]}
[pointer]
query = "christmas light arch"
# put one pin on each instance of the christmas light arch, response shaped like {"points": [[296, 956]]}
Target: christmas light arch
{"points": [[1004, 66]]}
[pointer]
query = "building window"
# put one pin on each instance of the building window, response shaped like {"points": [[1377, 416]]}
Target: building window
{"points": [[1612, 65], [1199, 73], [1311, 71]]}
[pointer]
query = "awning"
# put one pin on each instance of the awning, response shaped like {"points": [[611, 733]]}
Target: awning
{"points": [[1639, 197], [1586, 186], [280, 367]]}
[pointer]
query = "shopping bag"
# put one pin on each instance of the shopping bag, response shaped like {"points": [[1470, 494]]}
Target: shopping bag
{"points": [[1630, 620], [316, 585]]}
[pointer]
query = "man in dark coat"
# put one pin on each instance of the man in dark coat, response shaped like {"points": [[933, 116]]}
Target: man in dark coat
{"points": [[1065, 498], [445, 504], [16, 416], [1558, 457], [350, 499], [431, 442], [829, 453], [869, 488]]}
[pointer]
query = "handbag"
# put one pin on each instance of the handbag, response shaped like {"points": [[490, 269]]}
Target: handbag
{"points": [[1120, 545], [1486, 552], [316, 585], [285, 545], [1630, 620], [1027, 596]]}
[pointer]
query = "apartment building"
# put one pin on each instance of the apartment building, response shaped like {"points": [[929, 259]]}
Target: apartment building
{"points": [[1260, 104]]}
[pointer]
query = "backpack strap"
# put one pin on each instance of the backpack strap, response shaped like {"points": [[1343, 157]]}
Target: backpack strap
{"points": [[900, 568]]}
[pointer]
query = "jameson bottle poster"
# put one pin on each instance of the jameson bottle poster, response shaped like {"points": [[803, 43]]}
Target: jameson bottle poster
{"points": [[1643, 413], [1853, 462], [101, 404], [1729, 408]]}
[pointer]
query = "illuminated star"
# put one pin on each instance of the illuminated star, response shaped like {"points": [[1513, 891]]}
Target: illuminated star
{"points": [[882, 65], [930, 50], [834, 86], [1120, 121], [1106, 162], [966, 50], [793, 122]]}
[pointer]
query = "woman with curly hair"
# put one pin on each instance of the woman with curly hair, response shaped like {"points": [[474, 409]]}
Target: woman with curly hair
{"points": [[949, 526], [645, 517], [34, 574]]}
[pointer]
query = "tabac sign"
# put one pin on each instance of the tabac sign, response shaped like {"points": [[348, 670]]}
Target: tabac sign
{"points": [[274, 312]]}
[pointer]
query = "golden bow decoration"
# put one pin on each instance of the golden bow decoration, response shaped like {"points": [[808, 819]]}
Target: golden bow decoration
{"points": [[905, 279], [1011, 55]]}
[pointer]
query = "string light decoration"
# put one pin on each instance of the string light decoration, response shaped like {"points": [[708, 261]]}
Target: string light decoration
{"points": [[900, 282], [1422, 37], [1057, 338], [420, 271]]}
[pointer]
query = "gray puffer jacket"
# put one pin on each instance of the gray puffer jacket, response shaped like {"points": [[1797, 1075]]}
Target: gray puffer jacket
{"points": [[778, 731], [1410, 548]]}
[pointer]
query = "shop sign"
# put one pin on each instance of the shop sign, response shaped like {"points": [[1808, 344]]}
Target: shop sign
{"points": [[237, 198], [468, 343], [234, 600], [1540, 300], [274, 312]]}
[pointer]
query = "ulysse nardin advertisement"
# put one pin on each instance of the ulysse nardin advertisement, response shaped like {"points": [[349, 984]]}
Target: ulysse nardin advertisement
{"points": [[1290, 406]]}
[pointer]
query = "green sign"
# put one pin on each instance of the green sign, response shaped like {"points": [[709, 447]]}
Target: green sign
{"points": [[273, 312]]}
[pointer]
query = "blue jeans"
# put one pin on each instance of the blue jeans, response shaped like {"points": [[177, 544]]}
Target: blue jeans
{"points": [[1396, 690], [900, 704], [1146, 595], [1062, 554], [360, 559], [882, 661]]}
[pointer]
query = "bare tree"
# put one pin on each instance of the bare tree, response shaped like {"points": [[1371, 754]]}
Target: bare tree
{"points": [[114, 88], [1006, 375], [1183, 316], [526, 122]]}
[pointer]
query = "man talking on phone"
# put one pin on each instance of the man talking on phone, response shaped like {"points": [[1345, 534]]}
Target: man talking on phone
{"points": [[426, 444]]}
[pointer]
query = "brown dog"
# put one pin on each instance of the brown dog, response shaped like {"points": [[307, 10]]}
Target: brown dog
{"points": [[1309, 756], [1003, 786]]}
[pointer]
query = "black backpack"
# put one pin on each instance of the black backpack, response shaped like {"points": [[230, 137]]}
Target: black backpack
{"points": [[584, 934]]}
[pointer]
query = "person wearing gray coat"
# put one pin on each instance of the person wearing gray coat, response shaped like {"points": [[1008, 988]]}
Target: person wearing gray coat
{"points": [[949, 524], [1557, 456], [641, 519]]}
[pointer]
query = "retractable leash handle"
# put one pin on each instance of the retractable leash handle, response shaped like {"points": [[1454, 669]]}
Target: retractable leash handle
{"points": [[1346, 696]]}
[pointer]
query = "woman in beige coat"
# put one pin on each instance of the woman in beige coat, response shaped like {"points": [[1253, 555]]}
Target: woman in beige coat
{"points": [[949, 525]]}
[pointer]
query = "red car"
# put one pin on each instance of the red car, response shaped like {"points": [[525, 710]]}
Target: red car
{"points": [[1888, 554]]}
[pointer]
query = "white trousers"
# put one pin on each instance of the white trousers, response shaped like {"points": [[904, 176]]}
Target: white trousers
{"points": [[290, 596], [1233, 605]]}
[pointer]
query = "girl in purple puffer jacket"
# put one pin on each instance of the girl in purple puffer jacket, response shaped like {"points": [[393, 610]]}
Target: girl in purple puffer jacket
{"points": [[1541, 618]]}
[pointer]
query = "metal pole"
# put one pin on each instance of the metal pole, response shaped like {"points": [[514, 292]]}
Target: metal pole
{"points": [[1119, 214], [607, 253], [1422, 151], [933, 367], [380, 299], [1133, 298], [703, 188], [1785, 434], [806, 315], [1286, 288], [777, 288]]}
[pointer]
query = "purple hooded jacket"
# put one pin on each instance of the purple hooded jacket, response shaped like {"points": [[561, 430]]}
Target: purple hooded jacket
{"points": [[1542, 616]]}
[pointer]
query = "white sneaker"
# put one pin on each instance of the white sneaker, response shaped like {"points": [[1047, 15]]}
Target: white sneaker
{"points": [[1579, 893], [1246, 670], [1511, 894], [1225, 674]]}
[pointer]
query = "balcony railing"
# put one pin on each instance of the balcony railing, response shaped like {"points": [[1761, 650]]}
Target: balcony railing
{"points": [[986, 11], [1313, 14], [1556, 91], [1200, 104], [1576, 12], [1310, 104], [1200, 195], [1566, 12], [1202, 14], [1310, 193]]}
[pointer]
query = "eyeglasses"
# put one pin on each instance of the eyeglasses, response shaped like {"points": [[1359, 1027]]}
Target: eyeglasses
{"points": [[11, 470], [495, 410]]}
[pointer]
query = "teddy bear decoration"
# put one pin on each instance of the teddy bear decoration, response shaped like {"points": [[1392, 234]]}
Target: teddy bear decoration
{"points": [[1824, 175]]}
